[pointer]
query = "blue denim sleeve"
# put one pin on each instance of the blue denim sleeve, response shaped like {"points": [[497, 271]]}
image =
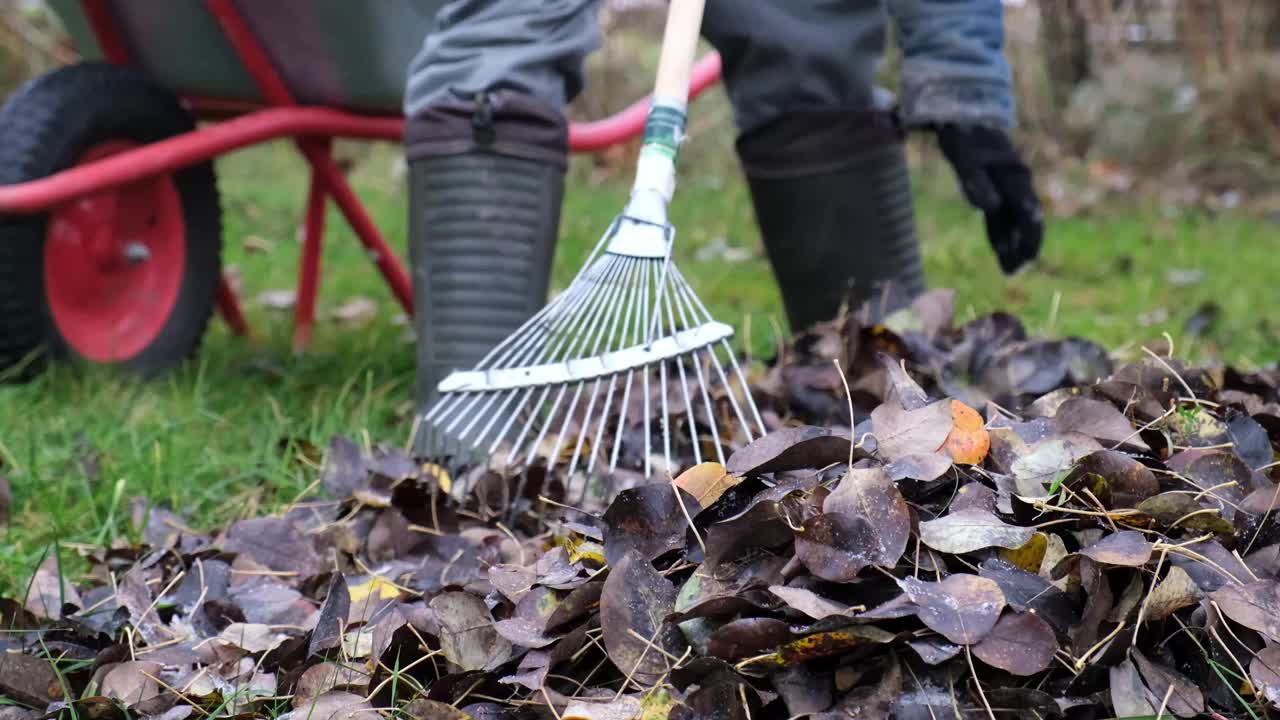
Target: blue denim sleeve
{"points": [[953, 64]]}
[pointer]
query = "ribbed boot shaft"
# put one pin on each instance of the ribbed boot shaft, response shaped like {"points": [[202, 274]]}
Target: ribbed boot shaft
{"points": [[483, 229], [841, 234]]}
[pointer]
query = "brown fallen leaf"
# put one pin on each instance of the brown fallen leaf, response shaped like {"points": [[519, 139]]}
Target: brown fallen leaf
{"points": [[790, 448], [935, 651], [132, 682], [869, 494], [1129, 697], [1099, 420], [706, 482], [332, 619], [900, 432], [282, 299], [1046, 458], [970, 530], [1185, 699], [1172, 510], [1127, 481], [277, 544], [29, 680], [50, 590], [1174, 592], [903, 389], [963, 608], [809, 602], [1255, 605], [650, 520], [467, 636], [332, 706], [1127, 548], [252, 638], [837, 546], [1264, 671], [326, 676], [424, 709], [357, 310], [1020, 644], [626, 707], [633, 604], [747, 637]]}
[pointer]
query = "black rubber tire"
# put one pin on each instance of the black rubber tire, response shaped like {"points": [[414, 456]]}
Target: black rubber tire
{"points": [[44, 127]]}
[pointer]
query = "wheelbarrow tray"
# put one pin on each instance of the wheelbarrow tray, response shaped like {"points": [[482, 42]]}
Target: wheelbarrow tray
{"points": [[341, 54]]}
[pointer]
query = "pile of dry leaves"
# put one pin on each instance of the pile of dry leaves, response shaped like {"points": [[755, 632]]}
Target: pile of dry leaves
{"points": [[1009, 527]]}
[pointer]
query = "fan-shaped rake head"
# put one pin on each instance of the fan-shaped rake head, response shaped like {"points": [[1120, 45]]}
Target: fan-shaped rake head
{"points": [[625, 368]]}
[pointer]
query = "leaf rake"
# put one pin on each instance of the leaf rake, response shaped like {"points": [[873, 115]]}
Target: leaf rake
{"points": [[606, 365]]}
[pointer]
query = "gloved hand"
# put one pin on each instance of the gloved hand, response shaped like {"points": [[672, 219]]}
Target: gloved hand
{"points": [[996, 181]]}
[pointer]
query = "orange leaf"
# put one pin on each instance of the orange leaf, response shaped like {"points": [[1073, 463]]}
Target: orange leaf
{"points": [[706, 482], [968, 441]]}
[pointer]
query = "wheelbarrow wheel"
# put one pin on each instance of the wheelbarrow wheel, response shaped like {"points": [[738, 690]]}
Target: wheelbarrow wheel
{"points": [[127, 277]]}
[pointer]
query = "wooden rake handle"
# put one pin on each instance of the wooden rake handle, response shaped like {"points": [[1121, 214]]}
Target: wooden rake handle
{"points": [[679, 47]]}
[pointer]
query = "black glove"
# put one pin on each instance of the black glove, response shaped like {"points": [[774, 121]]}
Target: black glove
{"points": [[997, 182]]}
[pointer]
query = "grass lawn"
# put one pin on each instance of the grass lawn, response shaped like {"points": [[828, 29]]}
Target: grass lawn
{"points": [[213, 438]]}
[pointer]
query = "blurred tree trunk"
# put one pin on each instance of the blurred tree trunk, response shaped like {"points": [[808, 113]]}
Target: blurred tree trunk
{"points": [[1064, 33]]}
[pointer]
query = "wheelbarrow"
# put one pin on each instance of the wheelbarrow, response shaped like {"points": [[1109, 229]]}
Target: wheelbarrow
{"points": [[110, 219]]}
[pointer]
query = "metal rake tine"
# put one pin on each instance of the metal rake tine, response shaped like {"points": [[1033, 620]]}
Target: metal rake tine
{"points": [[648, 422], [564, 425], [540, 316], [568, 304], [582, 292], [733, 360], [528, 424], [622, 420], [666, 416], [594, 324], [600, 426], [564, 343], [525, 356], [728, 389], [586, 427], [620, 342], [746, 389], [697, 368], [607, 330], [484, 413], [684, 387], [512, 417]]}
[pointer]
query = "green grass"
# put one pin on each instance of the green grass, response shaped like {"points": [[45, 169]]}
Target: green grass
{"points": [[79, 445]]}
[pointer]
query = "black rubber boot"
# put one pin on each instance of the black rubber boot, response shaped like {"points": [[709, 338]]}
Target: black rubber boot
{"points": [[486, 182], [832, 199]]}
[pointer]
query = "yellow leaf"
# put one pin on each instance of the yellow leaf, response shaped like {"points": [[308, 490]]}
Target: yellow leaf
{"points": [[706, 482], [441, 476], [1030, 555], [375, 587], [580, 548]]}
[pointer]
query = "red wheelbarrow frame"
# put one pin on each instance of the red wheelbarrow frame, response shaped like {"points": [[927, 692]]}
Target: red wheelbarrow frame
{"points": [[236, 125]]}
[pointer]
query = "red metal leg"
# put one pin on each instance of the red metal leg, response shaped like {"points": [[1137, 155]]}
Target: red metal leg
{"points": [[309, 271], [260, 67], [229, 306], [336, 185], [103, 23]]}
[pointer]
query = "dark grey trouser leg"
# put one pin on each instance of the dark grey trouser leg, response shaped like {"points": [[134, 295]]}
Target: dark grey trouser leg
{"points": [[822, 152], [797, 55], [533, 47]]}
